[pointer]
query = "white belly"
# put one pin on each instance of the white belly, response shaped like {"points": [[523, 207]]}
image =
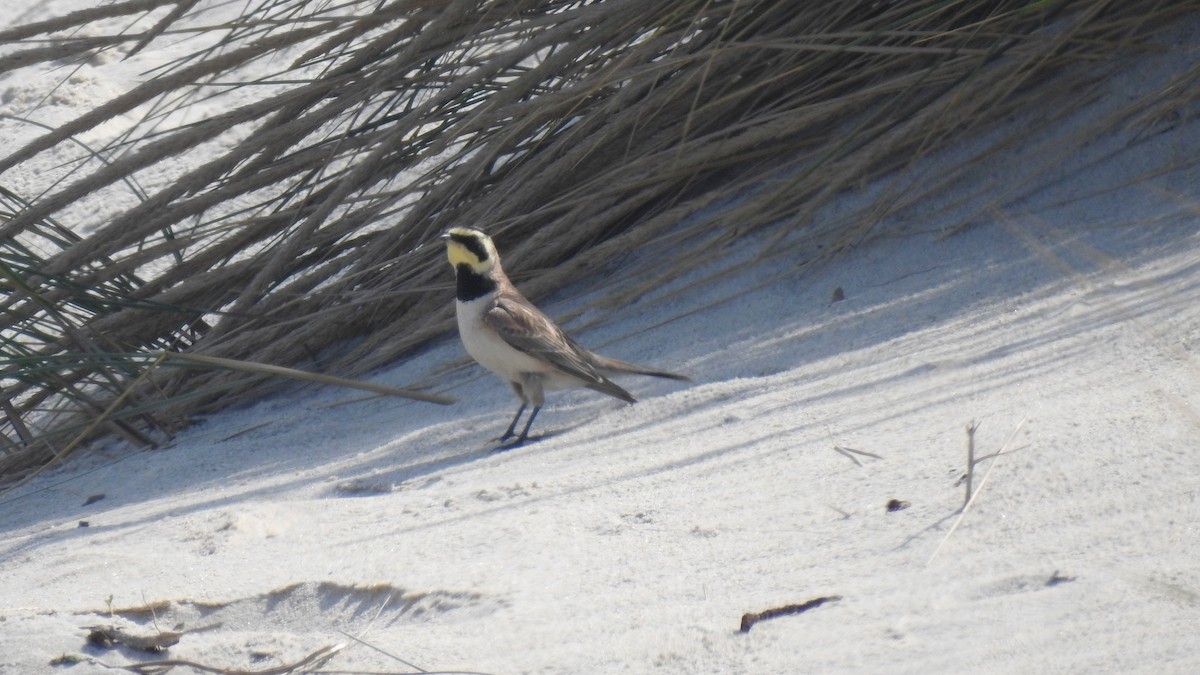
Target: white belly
{"points": [[493, 353]]}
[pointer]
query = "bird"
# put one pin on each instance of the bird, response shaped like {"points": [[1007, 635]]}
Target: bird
{"points": [[507, 334]]}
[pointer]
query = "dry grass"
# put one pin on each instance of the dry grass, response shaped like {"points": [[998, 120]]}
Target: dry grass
{"points": [[571, 130]]}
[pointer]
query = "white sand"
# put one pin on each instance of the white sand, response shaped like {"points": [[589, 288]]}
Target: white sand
{"points": [[632, 539]]}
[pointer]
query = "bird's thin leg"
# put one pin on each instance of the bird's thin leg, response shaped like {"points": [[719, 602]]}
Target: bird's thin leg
{"points": [[528, 423], [533, 394], [511, 427]]}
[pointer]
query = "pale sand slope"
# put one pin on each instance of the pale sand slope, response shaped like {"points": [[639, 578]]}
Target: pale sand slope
{"points": [[633, 538]]}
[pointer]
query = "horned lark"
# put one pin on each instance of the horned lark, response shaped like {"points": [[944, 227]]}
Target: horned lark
{"points": [[506, 334]]}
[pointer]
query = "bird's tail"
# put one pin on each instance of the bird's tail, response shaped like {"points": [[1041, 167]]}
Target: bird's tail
{"points": [[615, 366]]}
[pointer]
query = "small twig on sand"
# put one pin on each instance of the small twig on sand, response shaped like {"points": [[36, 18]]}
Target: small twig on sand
{"points": [[850, 452], [1004, 450], [968, 478], [972, 426], [749, 619]]}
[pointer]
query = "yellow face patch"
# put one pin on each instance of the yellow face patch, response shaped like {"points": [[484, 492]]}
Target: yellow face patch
{"points": [[459, 255], [471, 248]]}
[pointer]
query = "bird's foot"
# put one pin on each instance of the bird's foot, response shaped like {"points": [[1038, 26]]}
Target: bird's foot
{"points": [[504, 443]]}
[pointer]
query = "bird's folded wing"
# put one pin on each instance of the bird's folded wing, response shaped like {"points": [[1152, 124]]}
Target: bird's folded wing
{"points": [[528, 330]]}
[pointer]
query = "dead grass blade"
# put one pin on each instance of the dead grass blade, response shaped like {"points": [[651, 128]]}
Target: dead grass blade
{"points": [[305, 376]]}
